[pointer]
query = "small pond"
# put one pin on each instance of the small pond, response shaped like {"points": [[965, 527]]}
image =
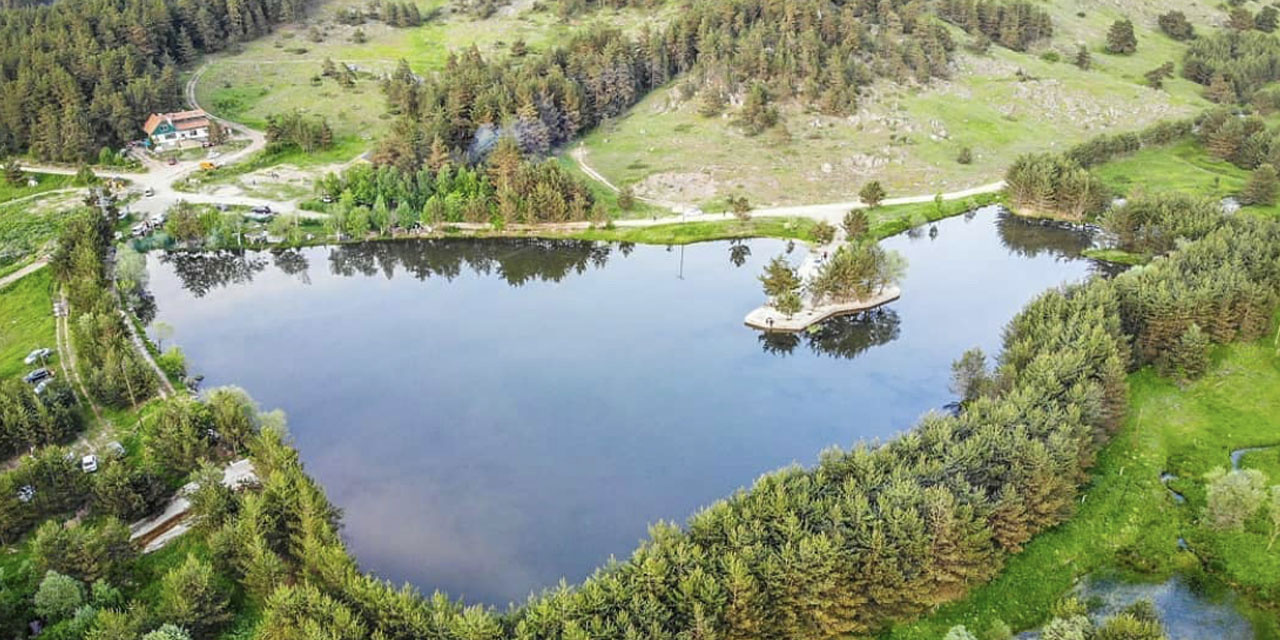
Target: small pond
{"points": [[493, 416]]}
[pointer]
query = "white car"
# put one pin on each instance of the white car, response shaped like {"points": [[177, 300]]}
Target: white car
{"points": [[89, 463], [38, 354]]}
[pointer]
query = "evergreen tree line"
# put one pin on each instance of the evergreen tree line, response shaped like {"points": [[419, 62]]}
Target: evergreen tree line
{"points": [[1232, 65], [1054, 185], [1154, 224], [1243, 141], [1107, 147], [506, 188], [1223, 285], [107, 361], [77, 76], [391, 13], [28, 420], [1014, 25], [295, 129], [1062, 185], [810, 49], [570, 8]]}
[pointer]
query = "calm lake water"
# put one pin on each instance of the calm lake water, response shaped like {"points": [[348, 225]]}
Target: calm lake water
{"points": [[493, 416]]}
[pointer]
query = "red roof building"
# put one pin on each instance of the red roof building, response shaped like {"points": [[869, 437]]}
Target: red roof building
{"points": [[171, 128]]}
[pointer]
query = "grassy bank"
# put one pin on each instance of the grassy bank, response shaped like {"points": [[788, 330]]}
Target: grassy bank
{"points": [[1127, 523], [1184, 167], [26, 320], [690, 232]]}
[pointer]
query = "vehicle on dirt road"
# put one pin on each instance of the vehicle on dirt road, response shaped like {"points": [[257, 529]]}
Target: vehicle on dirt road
{"points": [[37, 375]]}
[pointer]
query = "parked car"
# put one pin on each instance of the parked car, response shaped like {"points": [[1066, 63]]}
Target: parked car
{"points": [[37, 375], [263, 210], [42, 386], [173, 160], [149, 192], [89, 463], [37, 355], [116, 449]]}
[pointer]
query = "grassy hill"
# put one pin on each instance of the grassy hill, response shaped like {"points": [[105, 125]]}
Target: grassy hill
{"points": [[999, 104]]}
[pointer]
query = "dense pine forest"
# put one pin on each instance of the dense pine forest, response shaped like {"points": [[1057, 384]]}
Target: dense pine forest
{"points": [[80, 75]]}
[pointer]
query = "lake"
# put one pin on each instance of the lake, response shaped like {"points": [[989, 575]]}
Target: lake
{"points": [[495, 415]]}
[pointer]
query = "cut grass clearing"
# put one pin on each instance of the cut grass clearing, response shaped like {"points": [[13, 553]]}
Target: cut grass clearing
{"points": [[26, 320], [1127, 523]]}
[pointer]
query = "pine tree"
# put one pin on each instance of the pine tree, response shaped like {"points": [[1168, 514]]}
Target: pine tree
{"points": [[1220, 90], [710, 102], [438, 157], [1083, 59], [1121, 39], [13, 173], [1240, 19], [1261, 187], [871, 194], [1267, 19], [856, 224]]}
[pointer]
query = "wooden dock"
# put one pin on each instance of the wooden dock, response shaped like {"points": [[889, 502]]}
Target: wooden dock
{"points": [[769, 319]]}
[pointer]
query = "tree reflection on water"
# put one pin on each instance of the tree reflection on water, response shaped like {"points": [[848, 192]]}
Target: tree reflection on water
{"points": [[841, 337]]}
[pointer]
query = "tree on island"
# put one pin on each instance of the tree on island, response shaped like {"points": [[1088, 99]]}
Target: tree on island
{"points": [[872, 194], [782, 285], [1121, 39], [857, 272]]}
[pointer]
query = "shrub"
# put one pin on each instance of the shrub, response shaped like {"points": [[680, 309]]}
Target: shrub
{"points": [[173, 362], [823, 232], [1231, 498], [58, 596]]}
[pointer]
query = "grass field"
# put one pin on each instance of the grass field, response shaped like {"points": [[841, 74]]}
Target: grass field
{"points": [[27, 226], [1184, 167], [908, 138], [26, 320], [1127, 524], [44, 182]]}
